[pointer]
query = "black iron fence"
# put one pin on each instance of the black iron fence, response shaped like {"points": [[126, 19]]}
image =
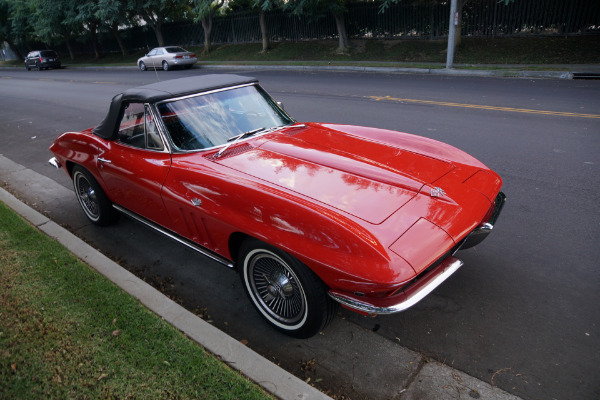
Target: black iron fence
{"points": [[410, 19]]}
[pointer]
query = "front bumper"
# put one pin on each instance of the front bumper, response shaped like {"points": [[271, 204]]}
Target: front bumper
{"points": [[482, 231], [404, 299], [424, 284]]}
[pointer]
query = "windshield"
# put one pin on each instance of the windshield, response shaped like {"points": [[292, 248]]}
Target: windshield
{"points": [[210, 120]]}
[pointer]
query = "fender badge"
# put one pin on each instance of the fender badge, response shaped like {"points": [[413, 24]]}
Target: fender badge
{"points": [[437, 192]]}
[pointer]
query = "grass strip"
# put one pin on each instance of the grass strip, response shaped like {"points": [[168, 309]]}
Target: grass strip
{"points": [[67, 332], [518, 52]]}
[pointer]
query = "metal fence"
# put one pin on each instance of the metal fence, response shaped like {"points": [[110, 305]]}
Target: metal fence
{"points": [[410, 19]]}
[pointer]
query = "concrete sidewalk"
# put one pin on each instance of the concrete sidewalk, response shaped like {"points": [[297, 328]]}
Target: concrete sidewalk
{"points": [[405, 375]]}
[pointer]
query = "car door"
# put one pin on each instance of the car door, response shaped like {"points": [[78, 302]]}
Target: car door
{"points": [[149, 58], [157, 58], [136, 164]]}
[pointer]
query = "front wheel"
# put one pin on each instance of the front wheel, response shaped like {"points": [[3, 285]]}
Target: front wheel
{"points": [[165, 66], [94, 202], [284, 290], [142, 66]]}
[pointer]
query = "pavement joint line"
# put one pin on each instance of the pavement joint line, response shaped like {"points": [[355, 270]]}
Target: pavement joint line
{"points": [[272, 378]]}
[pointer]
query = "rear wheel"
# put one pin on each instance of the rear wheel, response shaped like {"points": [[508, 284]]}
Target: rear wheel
{"points": [[165, 66], [38, 66], [94, 202], [284, 290]]}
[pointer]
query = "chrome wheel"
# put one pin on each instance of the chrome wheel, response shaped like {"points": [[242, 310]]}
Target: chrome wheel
{"points": [[276, 288], [287, 294], [96, 206], [86, 196]]}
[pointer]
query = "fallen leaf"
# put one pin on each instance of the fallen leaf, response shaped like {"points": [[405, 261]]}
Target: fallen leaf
{"points": [[116, 333], [13, 366], [102, 377], [244, 342]]}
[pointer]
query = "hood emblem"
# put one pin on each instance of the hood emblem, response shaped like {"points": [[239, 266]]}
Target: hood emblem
{"points": [[437, 192]]}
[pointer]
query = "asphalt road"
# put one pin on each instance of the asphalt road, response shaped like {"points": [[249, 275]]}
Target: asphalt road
{"points": [[523, 313]]}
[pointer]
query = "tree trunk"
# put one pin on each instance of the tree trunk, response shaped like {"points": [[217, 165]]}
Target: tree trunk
{"points": [[94, 33], [158, 32], [263, 31], [341, 28], [207, 26], [70, 48], [115, 30]]}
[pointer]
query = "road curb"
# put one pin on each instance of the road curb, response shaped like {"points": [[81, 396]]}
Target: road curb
{"points": [[498, 73], [272, 378], [482, 73]]}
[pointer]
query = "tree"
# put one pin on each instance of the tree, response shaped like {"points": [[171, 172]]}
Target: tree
{"points": [[263, 7], [115, 13], [157, 12], [19, 26], [205, 10], [85, 13], [53, 22], [6, 30], [337, 8]]}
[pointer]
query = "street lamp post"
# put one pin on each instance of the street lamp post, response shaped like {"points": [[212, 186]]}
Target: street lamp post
{"points": [[452, 32]]}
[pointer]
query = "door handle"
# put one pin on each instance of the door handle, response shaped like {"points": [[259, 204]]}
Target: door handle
{"points": [[104, 160]]}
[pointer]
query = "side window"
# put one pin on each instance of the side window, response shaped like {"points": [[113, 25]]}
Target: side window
{"points": [[152, 53], [131, 129], [138, 129]]}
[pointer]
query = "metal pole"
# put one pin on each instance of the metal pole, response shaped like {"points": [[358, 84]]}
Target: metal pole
{"points": [[451, 34]]}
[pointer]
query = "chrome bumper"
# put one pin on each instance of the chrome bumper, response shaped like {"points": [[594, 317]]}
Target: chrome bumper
{"points": [[54, 162], [404, 299], [482, 231]]}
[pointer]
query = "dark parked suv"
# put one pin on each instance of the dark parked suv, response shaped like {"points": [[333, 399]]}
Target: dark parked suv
{"points": [[41, 59]]}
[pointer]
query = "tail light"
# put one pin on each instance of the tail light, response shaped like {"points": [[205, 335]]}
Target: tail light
{"points": [[40, 58], [178, 56], [192, 55]]}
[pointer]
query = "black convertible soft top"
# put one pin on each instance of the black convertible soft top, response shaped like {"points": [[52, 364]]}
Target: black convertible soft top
{"points": [[164, 90]]}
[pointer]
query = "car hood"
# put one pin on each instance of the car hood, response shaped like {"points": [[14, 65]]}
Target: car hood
{"points": [[366, 172]]}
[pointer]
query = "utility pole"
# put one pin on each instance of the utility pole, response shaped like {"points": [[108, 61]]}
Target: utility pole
{"points": [[451, 34]]}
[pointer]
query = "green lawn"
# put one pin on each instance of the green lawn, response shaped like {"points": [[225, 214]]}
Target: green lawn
{"points": [[67, 332]]}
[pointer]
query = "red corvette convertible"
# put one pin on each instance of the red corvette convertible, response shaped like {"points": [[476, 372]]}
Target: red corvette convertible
{"points": [[311, 215]]}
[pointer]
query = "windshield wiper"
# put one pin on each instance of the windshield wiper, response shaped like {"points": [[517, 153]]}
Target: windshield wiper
{"points": [[238, 137]]}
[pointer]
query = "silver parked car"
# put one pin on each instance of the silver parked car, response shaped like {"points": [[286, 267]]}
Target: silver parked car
{"points": [[167, 58]]}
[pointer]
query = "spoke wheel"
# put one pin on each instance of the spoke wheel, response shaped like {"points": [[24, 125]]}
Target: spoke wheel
{"points": [[286, 292], [92, 198]]}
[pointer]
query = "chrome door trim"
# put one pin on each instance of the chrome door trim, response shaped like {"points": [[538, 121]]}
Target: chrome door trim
{"points": [[202, 250]]}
